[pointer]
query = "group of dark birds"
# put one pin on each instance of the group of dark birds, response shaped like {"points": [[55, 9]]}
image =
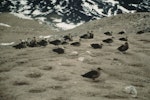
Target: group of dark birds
{"points": [[121, 48], [68, 39], [93, 74], [31, 43]]}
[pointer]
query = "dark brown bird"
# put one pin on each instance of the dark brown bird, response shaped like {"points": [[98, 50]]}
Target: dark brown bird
{"points": [[59, 50], [123, 47], [64, 43], [84, 36], [109, 40], [108, 33], [20, 45], [43, 42], [76, 43], [121, 32], [93, 74], [68, 37], [123, 39], [140, 32], [55, 42], [89, 35], [33, 43], [96, 46]]}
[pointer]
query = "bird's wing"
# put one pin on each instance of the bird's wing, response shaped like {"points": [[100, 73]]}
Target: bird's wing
{"points": [[90, 74]]}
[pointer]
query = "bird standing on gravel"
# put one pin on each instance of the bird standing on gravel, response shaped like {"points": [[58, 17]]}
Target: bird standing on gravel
{"points": [[108, 33], [96, 45], [109, 40], [93, 74], [68, 37], [89, 35], [58, 50], [76, 43], [55, 42], [121, 32], [123, 39], [123, 47], [43, 42], [20, 45]]}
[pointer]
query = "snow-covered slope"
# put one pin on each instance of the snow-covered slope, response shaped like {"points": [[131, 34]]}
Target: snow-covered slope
{"points": [[61, 13], [5, 25]]}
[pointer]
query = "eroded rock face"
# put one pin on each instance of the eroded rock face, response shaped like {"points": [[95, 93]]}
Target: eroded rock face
{"points": [[70, 11]]}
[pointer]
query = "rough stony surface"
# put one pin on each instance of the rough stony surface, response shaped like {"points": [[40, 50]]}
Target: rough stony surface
{"points": [[40, 74]]}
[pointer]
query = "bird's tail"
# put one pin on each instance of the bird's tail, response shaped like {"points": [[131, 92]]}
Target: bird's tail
{"points": [[83, 75]]}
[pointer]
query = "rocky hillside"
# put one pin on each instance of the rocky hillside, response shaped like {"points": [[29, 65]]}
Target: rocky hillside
{"points": [[73, 12]]}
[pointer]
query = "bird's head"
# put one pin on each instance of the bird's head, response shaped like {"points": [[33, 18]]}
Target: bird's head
{"points": [[99, 68], [126, 43]]}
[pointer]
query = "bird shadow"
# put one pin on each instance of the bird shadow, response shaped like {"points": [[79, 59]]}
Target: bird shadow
{"points": [[61, 78], [34, 75], [37, 90], [94, 81], [115, 96], [124, 53], [47, 68], [20, 83]]}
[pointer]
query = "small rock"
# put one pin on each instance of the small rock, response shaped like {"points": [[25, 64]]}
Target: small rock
{"points": [[81, 59], [74, 53], [89, 52], [131, 90]]}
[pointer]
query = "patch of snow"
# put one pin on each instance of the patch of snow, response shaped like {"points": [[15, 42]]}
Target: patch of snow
{"points": [[88, 8], [89, 52], [59, 8], [109, 12], [45, 37], [134, 5], [6, 25], [27, 12], [23, 2], [53, 1], [36, 12], [7, 44], [41, 18], [66, 26], [112, 1], [81, 58], [74, 53], [21, 15], [124, 9], [56, 20], [95, 7]]}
